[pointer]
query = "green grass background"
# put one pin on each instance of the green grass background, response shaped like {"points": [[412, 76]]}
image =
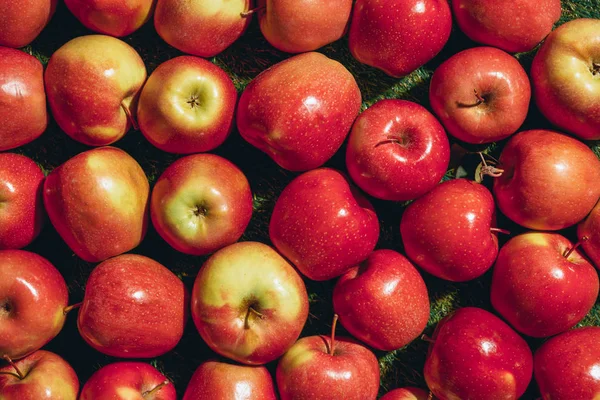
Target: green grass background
{"points": [[243, 61]]}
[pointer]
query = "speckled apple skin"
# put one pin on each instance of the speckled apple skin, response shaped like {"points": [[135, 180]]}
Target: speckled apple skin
{"points": [[323, 225], [125, 381], [566, 366], [22, 21], [407, 393], [539, 291], [497, 77], [308, 372], [511, 25], [447, 231], [398, 36], [402, 170], [21, 207], [37, 295], [475, 355], [588, 232], [126, 293], [550, 180], [383, 302], [299, 111], [216, 380]]}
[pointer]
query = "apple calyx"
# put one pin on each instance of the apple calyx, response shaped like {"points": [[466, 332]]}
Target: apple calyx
{"points": [[71, 307], [479, 99], [332, 343], [499, 230], [5, 307], [200, 211], [248, 13], [18, 374], [194, 101], [595, 68], [132, 120], [489, 169], [574, 247], [399, 140], [251, 311], [156, 389]]}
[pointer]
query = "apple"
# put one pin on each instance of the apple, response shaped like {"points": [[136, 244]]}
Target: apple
{"points": [[93, 83], [202, 27], [397, 151], [216, 380], [323, 225], [450, 231], [565, 74], [22, 21], [407, 393], [566, 366], [299, 111], [323, 368], [399, 36], [112, 17], [187, 106], [297, 26], [481, 95], [383, 302], [588, 232], [133, 307], [475, 355], [128, 380], [41, 375], [201, 203], [549, 180], [248, 303], [97, 201], [21, 208]]}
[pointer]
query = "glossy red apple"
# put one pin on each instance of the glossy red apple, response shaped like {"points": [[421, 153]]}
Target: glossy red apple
{"points": [[475, 355], [481, 95], [398, 36], [323, 225], [383, 302], [397, 151], [407, 393], [300, 110], [588, 232], [22, 21]]}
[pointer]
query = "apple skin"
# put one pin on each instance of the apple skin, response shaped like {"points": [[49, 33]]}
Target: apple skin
{"points": [[168, 114], [447, 231], [475, 355], [222, 303], [297, 26], [138, 291], [407, 393], [202, 27], [511, 25], [201, 203], [93, 83], [566, 366], [125, 381], [399, 36], [337, 231], [566, 80], [46, 377], [23, 112], [495, 76], [33, 295], [98, 202], [537, 289], [22, 21], [299, 111], [21, 207], [549, 180], [397, 151], [588, 232], [394, 306], [216, 380]]}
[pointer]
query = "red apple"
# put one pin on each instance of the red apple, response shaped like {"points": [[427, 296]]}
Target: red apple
{"points": [[216, 380], [22, 21], [407, 393], [565, 75], [475, 355], [588, 232], [450, 231], [21, 207], [248, 303], [383, 302], [481, 95], [300, 110], [201, 203], [398, 36], [97, 201], [23, 112], [133, 307], [128, 380], [323, 225], [187, 106], [397, 151], [550, 180]]}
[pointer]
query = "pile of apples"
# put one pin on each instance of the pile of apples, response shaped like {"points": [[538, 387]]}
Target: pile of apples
{"points": [[249, 301]]}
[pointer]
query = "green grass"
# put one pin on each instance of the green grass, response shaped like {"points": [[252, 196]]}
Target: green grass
{"points": [[243, 61]]}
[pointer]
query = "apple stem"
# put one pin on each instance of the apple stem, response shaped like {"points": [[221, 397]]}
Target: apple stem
{"points": [[574, 247], [12, 364], [332, 344], [489, 169], [251, 311], [427, 339], [392, 139], [156, 389], [71, 307], [498, 230], [130, 117], [430, 395], [248, 13], [480, 100]]}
